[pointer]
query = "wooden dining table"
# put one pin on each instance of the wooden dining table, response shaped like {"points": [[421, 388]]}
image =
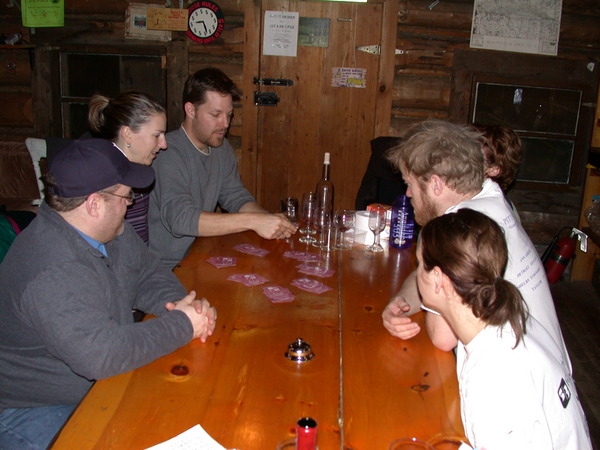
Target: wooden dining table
{"points": [[364, 387]]}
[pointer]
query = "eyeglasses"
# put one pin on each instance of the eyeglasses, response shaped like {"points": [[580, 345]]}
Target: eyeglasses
{"points": [[132, 197]]}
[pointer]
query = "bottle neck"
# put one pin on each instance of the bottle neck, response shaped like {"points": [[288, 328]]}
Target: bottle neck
{"points": [[325, 171]]}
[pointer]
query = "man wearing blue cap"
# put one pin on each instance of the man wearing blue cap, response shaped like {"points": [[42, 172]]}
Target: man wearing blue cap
{"points": [[69, 283]]}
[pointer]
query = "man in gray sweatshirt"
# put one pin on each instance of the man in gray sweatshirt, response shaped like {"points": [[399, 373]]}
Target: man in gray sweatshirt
{"points": [[198, 171], [69, 283]]}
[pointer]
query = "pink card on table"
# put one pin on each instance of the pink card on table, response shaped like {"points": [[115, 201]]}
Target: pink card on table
{"points": [[302, 256], [222, 261], [251, 249], [278, 294], [248, 279], [310, 285], [317, 271]]}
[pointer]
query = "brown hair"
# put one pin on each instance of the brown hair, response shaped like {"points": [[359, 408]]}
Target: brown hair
{"points": [[63, 204], [131, 109], [470, 249], [435, 147], [56, 202], [502, 148], [209, 79]]}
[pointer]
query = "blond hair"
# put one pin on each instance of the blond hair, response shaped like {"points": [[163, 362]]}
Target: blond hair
{"points": [[450, 151]]}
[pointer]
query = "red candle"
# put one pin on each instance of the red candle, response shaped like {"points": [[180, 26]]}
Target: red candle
{"points": [[306, 434]]}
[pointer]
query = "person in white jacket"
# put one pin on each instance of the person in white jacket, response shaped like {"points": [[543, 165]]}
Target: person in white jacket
{"points": [[515, 386]]}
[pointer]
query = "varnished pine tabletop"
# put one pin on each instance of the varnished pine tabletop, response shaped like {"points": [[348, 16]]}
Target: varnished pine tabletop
{"points": [[364, 387]]}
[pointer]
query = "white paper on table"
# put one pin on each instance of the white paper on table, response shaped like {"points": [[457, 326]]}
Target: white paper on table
{"points": [[196, 438]]}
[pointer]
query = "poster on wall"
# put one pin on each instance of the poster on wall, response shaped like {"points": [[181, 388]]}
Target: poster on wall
{"points": [[281, 33], [313, 32], [136, 24], [524, 26], [43, 13], [352, 77]]}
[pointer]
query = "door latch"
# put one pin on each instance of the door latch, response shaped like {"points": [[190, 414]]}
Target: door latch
{"points": [[265, 98], [273, 81]]}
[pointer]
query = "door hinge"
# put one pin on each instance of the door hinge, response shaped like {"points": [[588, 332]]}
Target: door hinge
{"points": [[376, 49]]}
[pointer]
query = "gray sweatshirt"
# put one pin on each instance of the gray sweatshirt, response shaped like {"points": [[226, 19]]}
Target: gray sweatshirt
{"points": [[187, 183], [66, 312]]}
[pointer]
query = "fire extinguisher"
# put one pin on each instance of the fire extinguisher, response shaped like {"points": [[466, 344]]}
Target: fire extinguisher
{"points": [[557, 255]]}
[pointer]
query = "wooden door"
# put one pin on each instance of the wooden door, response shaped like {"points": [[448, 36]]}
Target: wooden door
{"points": [[312, 116]]}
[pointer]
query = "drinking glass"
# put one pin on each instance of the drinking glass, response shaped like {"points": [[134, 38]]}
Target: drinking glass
{"points": [[410, 444], [376, 225], [321, 222], [343, 220], [289, 207], [309, 202], [444, 442]]}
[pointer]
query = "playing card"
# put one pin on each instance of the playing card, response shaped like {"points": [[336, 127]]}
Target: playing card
{"points": [[222, 261], [317, 271], [278, 294], [251, 249], [310, 285], [302, 256], [248, 279]]}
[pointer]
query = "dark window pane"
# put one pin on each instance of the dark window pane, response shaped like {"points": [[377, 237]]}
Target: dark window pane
{"points": [[546, 160], [524, 108], [91, 74]]}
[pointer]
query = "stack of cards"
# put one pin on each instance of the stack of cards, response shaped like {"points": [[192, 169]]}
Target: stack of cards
{"points": [[302, 256], [251, 249], [248, 279], [222, 261], [317, 271], [278, 294], [310, 285]]}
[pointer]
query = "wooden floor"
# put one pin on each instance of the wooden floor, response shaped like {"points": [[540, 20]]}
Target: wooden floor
{"points": [[578, 308]]}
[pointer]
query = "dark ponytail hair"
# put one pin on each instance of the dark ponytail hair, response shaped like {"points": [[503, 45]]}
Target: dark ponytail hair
{"points": [[131, 109], [470, 249]]}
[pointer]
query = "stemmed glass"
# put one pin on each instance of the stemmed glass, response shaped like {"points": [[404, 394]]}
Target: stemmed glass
{"points": [[309, 201], [343, 220], [321, 221], [376, 225]]}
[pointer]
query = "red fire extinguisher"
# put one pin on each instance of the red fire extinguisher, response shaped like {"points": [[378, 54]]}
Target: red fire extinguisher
{"points": [[560, 251]]}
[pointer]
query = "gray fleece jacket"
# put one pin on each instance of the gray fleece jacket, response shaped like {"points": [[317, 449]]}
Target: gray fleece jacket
{"points": [[66, 312]]}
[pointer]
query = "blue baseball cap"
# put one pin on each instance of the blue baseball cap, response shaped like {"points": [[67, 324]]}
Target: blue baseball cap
{"points": [[89, 165]]}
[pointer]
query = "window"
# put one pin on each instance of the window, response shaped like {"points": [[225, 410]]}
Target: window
{"points": [[86, 74], [545, 118]]}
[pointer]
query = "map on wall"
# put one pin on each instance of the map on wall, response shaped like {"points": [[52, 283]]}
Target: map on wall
{"points": [[525, 26]]}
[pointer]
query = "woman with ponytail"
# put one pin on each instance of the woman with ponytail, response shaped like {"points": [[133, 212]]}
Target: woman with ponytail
{"points": [[136, 123], [515, 387]]}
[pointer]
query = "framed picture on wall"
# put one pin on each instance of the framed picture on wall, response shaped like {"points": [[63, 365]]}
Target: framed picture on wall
{"points": [[136, 20]]}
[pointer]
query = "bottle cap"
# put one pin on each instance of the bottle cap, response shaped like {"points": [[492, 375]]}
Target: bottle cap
{"points": [[326, 160]]}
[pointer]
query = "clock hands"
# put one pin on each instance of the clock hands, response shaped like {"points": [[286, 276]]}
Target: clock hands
{"points": [[203, 24]]}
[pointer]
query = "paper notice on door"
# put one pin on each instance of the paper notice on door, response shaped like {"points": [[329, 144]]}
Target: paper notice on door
{"points": [[281, 33], [196, 438], [348, 77]]}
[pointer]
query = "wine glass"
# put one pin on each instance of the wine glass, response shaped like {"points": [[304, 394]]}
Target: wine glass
{"points": [[376, 225], [321, 221], [343, 220], [309, 201]]}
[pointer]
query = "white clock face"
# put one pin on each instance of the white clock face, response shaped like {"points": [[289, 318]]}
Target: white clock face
{"points": [[203, 22]]}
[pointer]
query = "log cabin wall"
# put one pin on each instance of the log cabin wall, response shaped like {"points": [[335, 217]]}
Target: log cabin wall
{"points": [[423, 78], [422, 81]]}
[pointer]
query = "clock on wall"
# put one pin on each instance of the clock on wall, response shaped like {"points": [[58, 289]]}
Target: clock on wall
{"points": [[205, 21]]}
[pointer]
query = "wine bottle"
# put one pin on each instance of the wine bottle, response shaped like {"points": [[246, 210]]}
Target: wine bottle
{"points": [[325, 187]]}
